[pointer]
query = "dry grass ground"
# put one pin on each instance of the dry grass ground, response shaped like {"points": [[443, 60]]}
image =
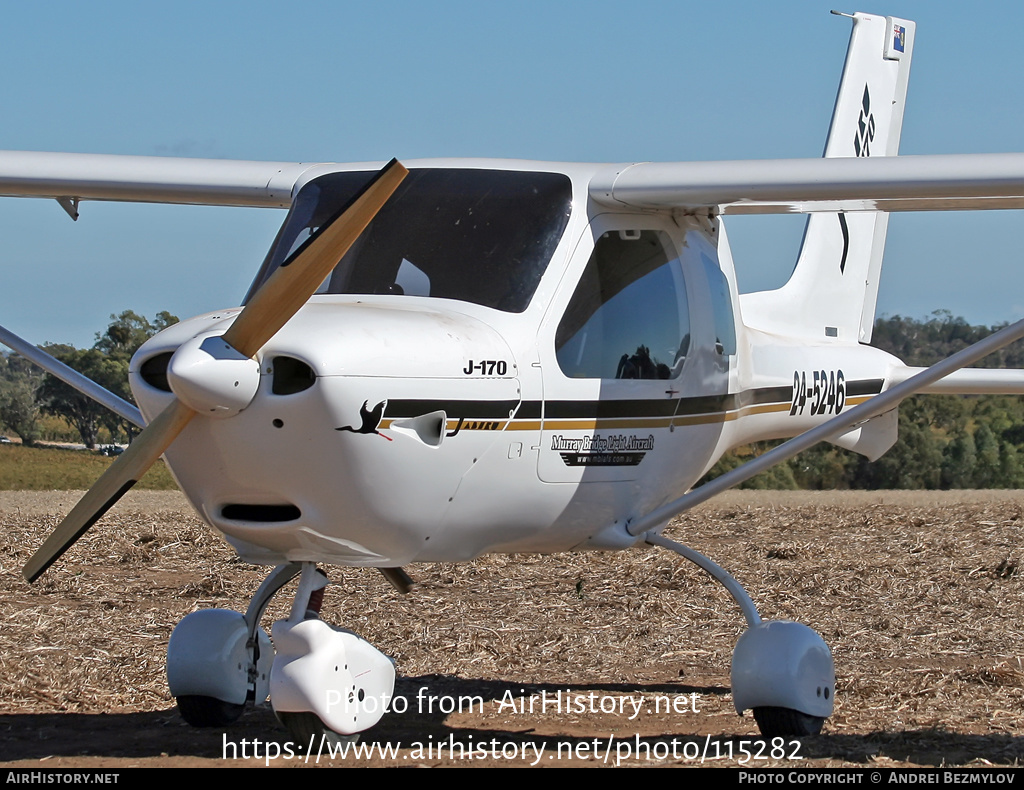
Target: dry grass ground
{"points": [[918, 594]]}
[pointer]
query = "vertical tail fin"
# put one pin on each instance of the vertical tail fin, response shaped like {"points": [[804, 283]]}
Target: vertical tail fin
{"points": [[834, 286]]}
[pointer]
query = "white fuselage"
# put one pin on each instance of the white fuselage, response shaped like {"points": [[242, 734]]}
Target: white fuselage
{"points": [[395, 427]]}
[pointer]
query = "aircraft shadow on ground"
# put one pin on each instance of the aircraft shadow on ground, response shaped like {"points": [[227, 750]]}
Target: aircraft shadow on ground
{"points": [[161, 733]]}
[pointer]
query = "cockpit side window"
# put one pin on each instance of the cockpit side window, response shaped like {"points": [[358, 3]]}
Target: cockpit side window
{"points": [[480, 236], [721, 306], [628, 318]]}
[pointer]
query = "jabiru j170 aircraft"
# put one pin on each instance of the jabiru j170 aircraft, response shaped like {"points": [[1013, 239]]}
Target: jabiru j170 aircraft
{"points": [[449, 358]]}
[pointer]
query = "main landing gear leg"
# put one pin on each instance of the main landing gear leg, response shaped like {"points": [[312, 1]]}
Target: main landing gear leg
{"points": [[326, 683], [218, 659], [781, 669]]}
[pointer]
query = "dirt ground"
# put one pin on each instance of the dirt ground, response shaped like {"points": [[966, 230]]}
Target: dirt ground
{"points": [[919, 595]]}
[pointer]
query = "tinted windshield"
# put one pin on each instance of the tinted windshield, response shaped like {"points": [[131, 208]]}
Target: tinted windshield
{"points": [[480, 236]]}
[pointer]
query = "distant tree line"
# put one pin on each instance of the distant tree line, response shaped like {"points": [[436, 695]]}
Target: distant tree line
{"points": [[28, 396]]}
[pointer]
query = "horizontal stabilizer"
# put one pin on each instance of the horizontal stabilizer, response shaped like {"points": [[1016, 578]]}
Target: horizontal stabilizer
{"points": [[968, 381]]}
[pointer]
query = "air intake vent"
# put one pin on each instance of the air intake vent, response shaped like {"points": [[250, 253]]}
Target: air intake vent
{"points": [[261, 513], [154, 371], [291, 375]]}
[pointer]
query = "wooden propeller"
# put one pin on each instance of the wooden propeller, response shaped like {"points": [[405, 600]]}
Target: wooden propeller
{"points": [[270, 308]]}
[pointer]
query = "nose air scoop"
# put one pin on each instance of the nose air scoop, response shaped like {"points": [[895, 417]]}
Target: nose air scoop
{"points": [[211, 377]]}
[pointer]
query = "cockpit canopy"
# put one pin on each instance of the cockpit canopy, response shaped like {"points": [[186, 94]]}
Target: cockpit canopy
{"points": [[479, 236]]}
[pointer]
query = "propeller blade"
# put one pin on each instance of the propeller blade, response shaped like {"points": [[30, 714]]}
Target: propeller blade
{"points": [[297, 279], [115, 482], [271, 307]]}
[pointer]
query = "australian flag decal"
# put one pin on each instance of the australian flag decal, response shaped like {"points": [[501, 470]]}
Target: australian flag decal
{"points": [[899, 37]]}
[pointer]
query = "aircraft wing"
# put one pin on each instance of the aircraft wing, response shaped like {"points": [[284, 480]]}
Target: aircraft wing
{"points": [[785, 186], [148, 179], [771, 186]]}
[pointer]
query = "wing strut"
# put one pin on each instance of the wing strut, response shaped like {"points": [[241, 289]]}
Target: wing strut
{"points": [[837, 425], [73, 378]]}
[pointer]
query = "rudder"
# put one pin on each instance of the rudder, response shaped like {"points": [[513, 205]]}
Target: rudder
{"points": [[834, 286]]}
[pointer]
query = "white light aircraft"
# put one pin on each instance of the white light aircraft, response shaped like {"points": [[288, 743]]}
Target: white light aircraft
{"points": [[475, 356]]}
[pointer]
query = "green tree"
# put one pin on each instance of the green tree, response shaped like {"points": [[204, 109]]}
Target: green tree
{"points": [[128, 331], [62, 400], [959, 461], [19, 409], [824, 466], [1011, 470], [913, 462], [122, 338], [106, 363], [988, 466]]}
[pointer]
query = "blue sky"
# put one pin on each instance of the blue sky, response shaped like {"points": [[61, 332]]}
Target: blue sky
{"points": [[559, 80]]}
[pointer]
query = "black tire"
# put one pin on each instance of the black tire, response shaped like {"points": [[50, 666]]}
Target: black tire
{"points": [[208, 711], [306, 726], [774, 722]]}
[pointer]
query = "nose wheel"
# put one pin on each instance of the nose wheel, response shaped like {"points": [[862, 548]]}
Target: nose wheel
{"points": [[327, 684]]}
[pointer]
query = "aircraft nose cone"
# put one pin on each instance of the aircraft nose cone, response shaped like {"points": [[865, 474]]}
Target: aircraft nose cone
{"points": [[211, 377]]}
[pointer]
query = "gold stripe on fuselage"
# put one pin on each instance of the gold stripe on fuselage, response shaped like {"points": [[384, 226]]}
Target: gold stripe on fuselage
{"points": [[619, 423]]}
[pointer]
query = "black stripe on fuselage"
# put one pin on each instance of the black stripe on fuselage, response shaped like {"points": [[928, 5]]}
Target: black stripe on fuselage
{"points": [[562, 410], [863, 387], [703, 404], [609, 409]]}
